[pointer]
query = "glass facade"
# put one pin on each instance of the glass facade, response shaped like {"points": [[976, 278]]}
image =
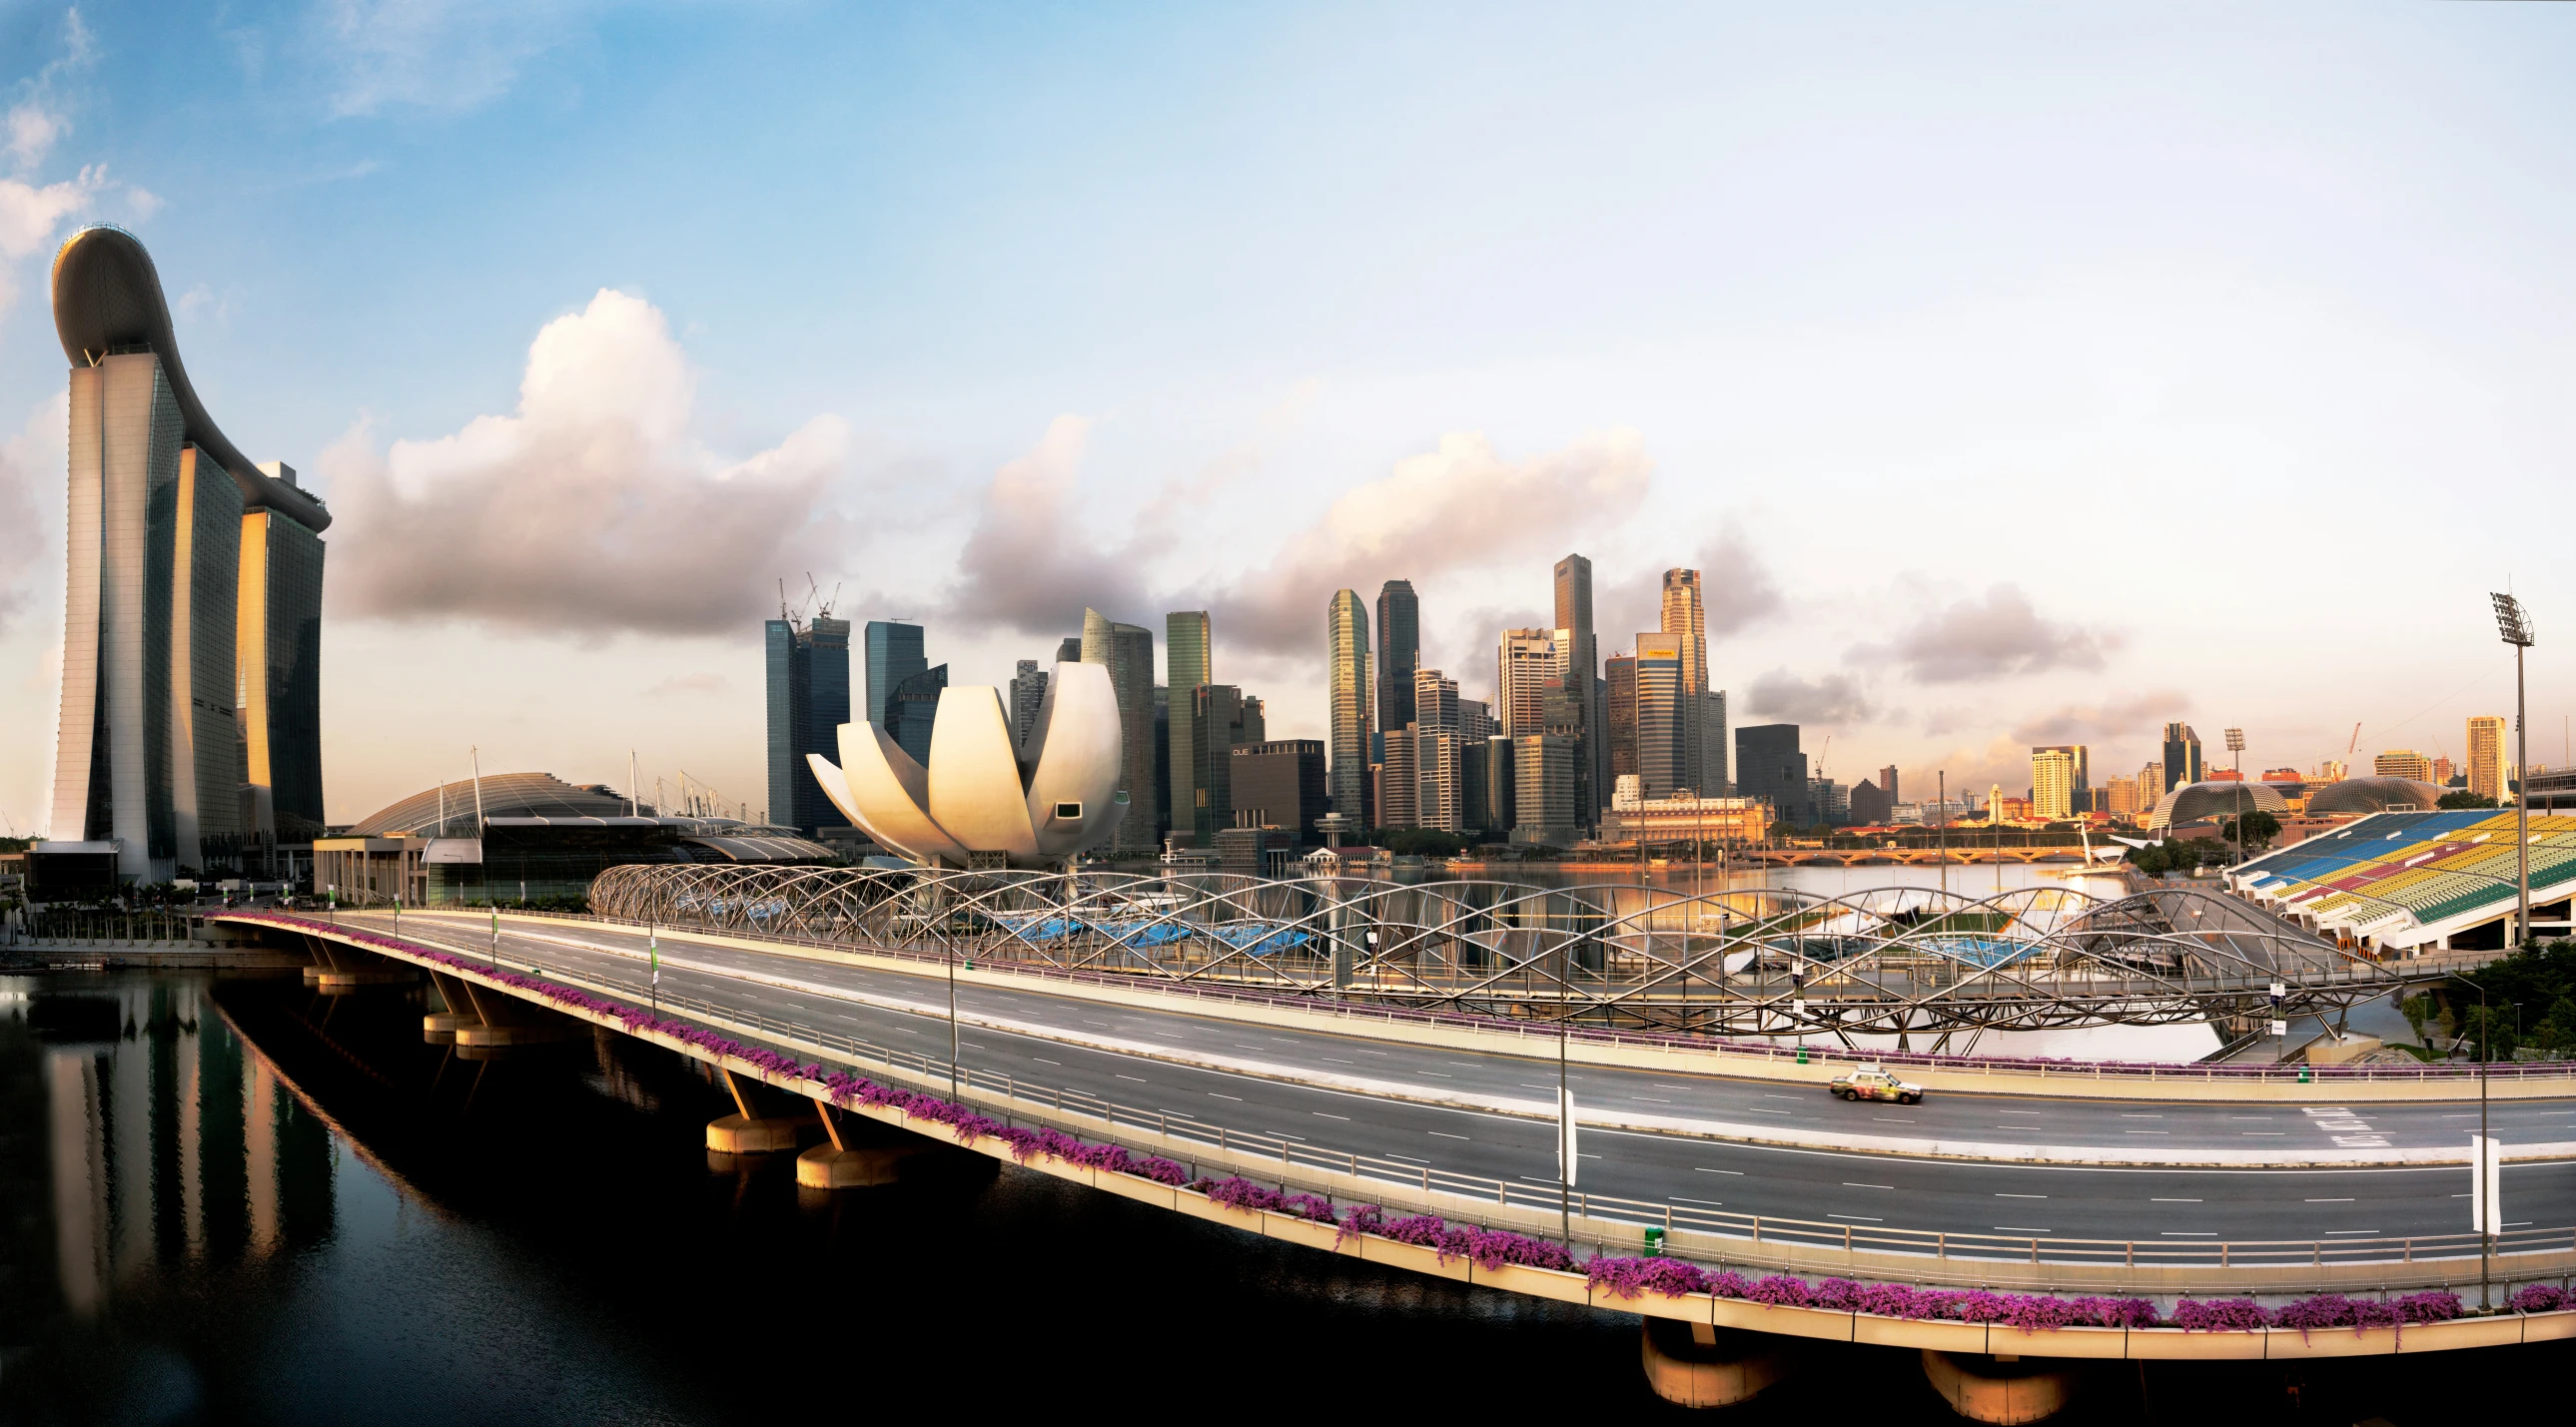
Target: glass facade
{"points": [[1346, 653], [291, 662], [1127, 650], [1399, 653], [1188, 663], [894, 655], [808, 677]]}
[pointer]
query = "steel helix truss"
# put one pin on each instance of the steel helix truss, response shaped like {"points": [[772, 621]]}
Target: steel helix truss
{"points": [[1735, 960]]}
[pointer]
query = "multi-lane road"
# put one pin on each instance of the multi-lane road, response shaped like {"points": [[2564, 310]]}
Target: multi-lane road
{"points": [[1752, 1146]]}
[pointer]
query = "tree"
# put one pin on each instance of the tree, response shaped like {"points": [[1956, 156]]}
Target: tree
{"points": [[2260, 828], [2462, 798]]}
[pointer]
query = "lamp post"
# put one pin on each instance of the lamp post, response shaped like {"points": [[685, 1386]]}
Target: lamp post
{"points": [[2513, 625], [1564, 1104], [952, 1018], [2236, 796], [2486, 1212]]}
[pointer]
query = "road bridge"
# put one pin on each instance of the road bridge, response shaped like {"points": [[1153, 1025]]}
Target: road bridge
{"points": [[2037, 1179]]}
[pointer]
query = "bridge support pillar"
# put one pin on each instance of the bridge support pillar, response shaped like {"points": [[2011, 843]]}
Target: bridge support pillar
{"points": [[840, 1165], [747, 1133], [1999, 1389], [1700, 1365], [440, 1027]]}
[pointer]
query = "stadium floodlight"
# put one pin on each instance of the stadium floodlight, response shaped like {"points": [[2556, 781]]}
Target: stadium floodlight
{"points": [[2513, 625], [2236, 757]]}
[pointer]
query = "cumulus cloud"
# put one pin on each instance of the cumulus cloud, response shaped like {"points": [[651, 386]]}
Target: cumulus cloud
{"points": [[2125, 718], [1997, 636], [25, 532], [1826, 699], [1030, 565], [591, 509], [1459, 506]]}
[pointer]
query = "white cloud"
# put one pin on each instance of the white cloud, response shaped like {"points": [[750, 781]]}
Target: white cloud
{"points": [[1999, 636], [1828, 699], [31, 131], [589, 510], [26, 529]]}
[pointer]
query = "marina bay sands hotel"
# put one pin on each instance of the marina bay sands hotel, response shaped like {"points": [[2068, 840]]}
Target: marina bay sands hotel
{"points": [[190, 732]]}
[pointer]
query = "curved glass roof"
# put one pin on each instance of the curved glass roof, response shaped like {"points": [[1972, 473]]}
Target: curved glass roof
{"points": [[2194, 801], [2374, 795], [505, 795]]}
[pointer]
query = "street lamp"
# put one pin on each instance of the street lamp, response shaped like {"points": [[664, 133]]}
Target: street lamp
{"points": [[2513, 625], [2487, 1212]]}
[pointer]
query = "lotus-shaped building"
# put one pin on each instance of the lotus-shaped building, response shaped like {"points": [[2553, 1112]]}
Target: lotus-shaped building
{"points": [[984, 800]]}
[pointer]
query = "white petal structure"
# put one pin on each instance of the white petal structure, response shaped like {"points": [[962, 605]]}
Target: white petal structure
{"points": [[983, 802]]}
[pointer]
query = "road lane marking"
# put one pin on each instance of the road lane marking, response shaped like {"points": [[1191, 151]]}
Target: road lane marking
{"points": [[1651, 1099], [2023, 1229], [1137, 1078], [1235, 1098], [1390, 1154], [1854, 1184], [1864, 1218], [2144, 1132], [2329, 1201], [1686, 1199], [1891, 1120], [1444, 1134], [2020, 1196], [2188, 1234], [2032, 1113], [1736, 1172], [1320, 1114], [2173, 1201], [1328, 1060], [2125, 1116]]}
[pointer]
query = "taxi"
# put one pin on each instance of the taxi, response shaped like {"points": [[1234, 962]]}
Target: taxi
{"points": [[1873, 1082]]}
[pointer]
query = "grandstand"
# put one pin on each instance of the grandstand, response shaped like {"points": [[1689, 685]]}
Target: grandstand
{"points": [[2405, 882]]}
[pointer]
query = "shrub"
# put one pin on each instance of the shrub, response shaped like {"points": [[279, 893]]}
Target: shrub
{"points": [[2220, 1315], [2538, 1298]]}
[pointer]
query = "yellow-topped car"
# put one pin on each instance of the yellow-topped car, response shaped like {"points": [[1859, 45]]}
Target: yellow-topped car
{"points": [[1873, 1082]]}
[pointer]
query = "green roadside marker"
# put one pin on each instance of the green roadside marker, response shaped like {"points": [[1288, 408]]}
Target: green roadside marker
{"points": [[1654, 1243]]}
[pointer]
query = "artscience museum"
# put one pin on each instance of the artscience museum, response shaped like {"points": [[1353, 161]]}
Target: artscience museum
{"points": [[984, 800]]}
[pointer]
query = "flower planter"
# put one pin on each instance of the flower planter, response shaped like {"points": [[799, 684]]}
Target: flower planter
{"points": [[1297, 1230], [1409, 1256], [1536, 1282], [2188, 1345], [1948, 1335], [1827, 1323], [2335, 1342], [2467, 1333], [2069, 1342]]}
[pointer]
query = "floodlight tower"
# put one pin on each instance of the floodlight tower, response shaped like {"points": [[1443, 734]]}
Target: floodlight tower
{"points": [[2513, 625], [2236, 756]]}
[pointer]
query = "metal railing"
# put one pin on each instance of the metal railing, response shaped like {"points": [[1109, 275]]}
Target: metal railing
{"points": [[1751, 1240], [2174, 1072]]}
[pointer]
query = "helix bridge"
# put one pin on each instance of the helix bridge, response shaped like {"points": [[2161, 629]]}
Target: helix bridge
{"points": [[1736, 960]]}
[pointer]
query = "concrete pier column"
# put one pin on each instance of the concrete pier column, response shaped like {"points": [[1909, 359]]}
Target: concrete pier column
{"points": [[440, 1027], [1700, 1365], [2002, 1388], [837, 1164], [748, 1133]]}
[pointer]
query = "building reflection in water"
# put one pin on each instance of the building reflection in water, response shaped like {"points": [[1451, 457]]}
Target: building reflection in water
{"points": [[168, 1141]]}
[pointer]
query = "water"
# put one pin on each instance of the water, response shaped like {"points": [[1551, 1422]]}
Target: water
{"points": [[238, 1201]]}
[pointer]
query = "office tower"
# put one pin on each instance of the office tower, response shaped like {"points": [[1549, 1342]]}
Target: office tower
{"points": [[1161, 742], [2122, 801], [1188, 653], [1543, 789], [1399, 653], [1582, 672], [1280, 784], [1769, 766], [1870, 805], [1127, 651], [1475, 720], [1887, 785], [912, 709], [2151, 786], [1663, 723], [1523, 663], [2486, 756], [2333, 770], [1830, 800], [1346, 659], [1438, 771], [894, 654], [2182, 757], [190, 715], [1070, 650], [2441, 770], [1435, 701], [1028, 693], [1703, 768], [2052, 783], [1502, 785], [1619, 714], [1395, 781], [787, 664], [2403, 763], [2080, 764]]}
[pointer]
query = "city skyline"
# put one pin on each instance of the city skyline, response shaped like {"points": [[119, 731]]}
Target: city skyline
{"points": [[1279, 410]]}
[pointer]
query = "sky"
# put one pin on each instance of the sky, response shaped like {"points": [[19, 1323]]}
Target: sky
{"points": [[2016, 374]]}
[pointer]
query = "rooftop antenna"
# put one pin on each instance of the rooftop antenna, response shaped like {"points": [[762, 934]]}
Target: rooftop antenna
{"points": [[631, 785]]}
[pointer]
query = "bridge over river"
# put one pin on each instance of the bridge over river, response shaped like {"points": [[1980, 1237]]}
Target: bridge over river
{"points": [[2070, 1179]]}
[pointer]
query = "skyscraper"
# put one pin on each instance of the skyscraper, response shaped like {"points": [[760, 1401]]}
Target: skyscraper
{"points": [[894, 655], [787, 664], [2052, 782], [1188, 655], [2182, 757], [1128, 652], [1887, 784], [2486, 756], [1280, 785], [1221, 719], [1703, 752], [912, 711], [1769, 766], [1028, 694], [1346, 658], [1619, 714], [1582, 674], [1663, 723], [1399, 653], [190, 722], [1435, 701], [1523, 663]]}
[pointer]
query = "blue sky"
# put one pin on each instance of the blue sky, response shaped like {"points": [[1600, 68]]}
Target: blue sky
{"points": [[2020, 374]]}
